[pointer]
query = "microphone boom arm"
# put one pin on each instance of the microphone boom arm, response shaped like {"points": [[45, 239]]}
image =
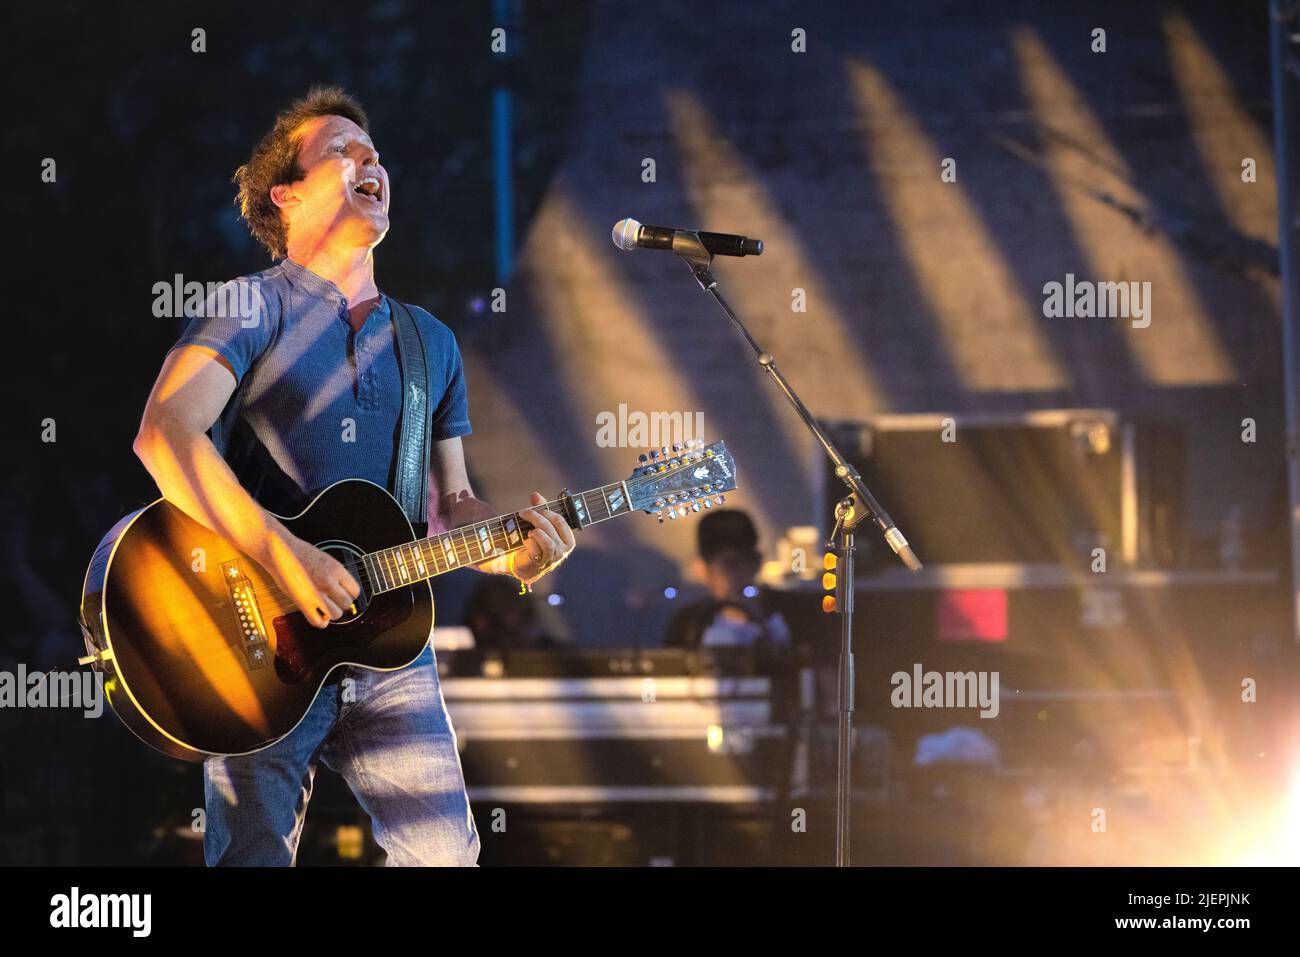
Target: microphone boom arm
{"points": [[687, 245]]}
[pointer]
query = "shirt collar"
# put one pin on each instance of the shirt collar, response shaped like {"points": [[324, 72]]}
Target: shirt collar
{"points": [[310, 281], [304, 277]]}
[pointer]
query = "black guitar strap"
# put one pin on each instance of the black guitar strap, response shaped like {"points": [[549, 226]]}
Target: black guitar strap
{"points": [[411, 467]]}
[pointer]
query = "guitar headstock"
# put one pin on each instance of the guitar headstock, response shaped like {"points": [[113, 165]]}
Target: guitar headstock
{"points": [[669, 482]]}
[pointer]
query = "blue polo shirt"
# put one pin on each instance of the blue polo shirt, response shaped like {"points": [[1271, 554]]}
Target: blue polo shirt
{"points": [[321, 401]]}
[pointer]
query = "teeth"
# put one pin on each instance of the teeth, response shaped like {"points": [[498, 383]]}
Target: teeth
{"points": [[372, 181]]}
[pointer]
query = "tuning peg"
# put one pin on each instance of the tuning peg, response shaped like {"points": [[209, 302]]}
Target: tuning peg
{"points": [[659, 515], [643, 458], [719, 499], [672, 513], [695, 506], [708, 503]]}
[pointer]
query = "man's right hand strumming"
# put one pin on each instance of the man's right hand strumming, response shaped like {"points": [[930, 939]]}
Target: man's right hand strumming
{"points": [[318, 583]]}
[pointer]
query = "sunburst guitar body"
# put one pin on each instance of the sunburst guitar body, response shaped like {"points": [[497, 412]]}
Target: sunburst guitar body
{"points": [[202, 654]]}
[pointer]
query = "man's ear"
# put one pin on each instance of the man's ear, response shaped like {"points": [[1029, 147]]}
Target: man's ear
{"points": [[283, 195], [699, 570]]}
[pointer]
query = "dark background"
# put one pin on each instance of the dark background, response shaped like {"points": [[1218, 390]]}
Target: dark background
{"points": [[820, 154]]}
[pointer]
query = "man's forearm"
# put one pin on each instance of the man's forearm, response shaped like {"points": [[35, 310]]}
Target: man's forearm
{"points": [[193, 476]]}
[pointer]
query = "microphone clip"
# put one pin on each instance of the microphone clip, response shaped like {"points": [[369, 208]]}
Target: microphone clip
{"points": [[690, 249]]}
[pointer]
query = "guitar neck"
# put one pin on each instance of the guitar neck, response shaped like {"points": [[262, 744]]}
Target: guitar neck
{"points": [[410, 562]]}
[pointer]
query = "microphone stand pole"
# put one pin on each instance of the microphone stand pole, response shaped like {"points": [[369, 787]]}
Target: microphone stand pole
{"points": [[858, 505]]}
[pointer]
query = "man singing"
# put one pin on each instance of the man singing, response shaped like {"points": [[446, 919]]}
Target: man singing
{"points": [[317, 382]]}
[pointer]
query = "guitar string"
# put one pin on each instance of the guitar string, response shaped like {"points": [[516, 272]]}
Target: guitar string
{"points": [[274, 602], [273, 592], [276, 596]]}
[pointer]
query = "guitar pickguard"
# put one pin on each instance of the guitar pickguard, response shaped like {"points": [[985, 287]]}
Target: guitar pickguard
{"points": [[303, 652]]}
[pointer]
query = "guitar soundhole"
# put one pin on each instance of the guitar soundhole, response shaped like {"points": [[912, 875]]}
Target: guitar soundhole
{"points": [[350, 557]]}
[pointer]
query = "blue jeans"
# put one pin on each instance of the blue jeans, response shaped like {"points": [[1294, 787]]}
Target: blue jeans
{"points": [[389, 735]]}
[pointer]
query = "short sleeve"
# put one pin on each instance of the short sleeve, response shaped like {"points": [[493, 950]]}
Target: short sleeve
{"points": [[451, 415], [237, 320]]}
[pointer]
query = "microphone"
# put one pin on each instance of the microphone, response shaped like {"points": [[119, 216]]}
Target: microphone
{"points": [[629, 234]]}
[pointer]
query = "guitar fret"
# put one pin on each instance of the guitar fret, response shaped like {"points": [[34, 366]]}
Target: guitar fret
{"points": [[430, 555], [597, 507], [399, 565], [615, 499], [493, 536], [483, 538], [514, 536]]}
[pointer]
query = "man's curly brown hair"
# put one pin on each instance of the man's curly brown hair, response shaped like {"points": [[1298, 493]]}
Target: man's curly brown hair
{"points": [[275, 161]]}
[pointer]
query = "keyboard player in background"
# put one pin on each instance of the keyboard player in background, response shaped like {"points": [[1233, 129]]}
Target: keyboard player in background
{"points": [[734, 615], [737, 633]]}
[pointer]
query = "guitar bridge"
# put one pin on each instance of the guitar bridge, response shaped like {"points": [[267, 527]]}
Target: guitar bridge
{"points": [[252, 630]]}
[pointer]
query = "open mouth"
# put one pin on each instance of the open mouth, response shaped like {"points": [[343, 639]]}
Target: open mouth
{"points": [[371, 188]]}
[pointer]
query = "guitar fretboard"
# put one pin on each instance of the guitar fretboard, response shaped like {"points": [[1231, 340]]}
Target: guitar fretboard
{"points": [[410, 562]]}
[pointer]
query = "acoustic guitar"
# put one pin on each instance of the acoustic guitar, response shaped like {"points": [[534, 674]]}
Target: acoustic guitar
{"points": [[203, 654]]}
